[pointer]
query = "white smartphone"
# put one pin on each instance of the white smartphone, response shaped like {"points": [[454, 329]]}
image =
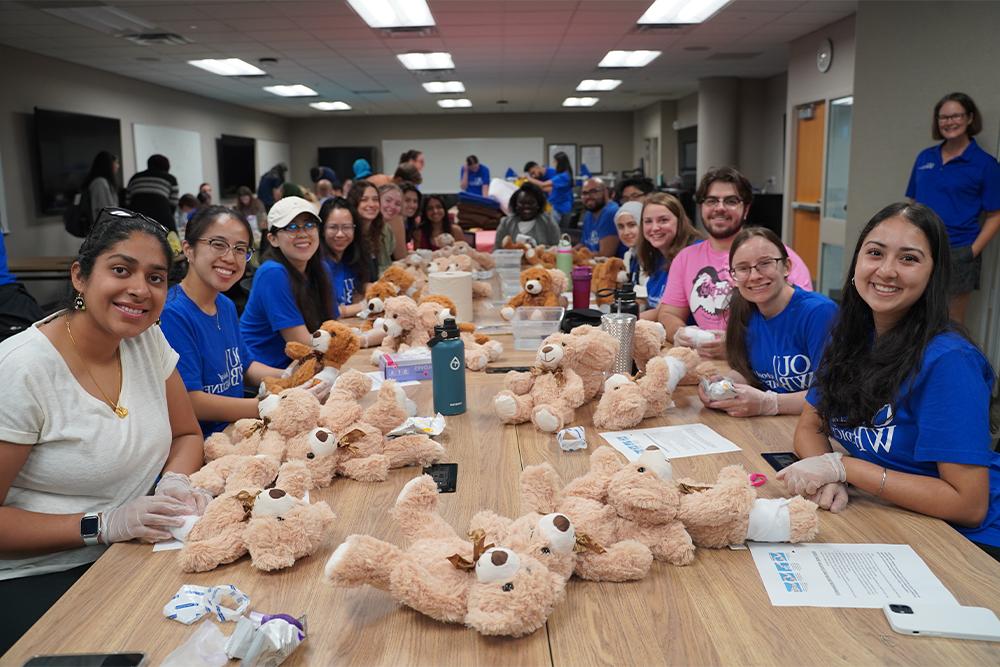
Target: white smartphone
{"points": [[943, 621]]}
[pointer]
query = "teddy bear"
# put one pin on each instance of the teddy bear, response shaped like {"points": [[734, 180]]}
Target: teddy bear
{"points": [[547, 395], [540, 256], [647, 341], [330, 347], [591, 353], [342, 406], [583, 256], [626, 402], [551, 538], [281, 416], [480, 349], [607, 276], [459, 262], [355, 452], [399, 277], [537, 289], [273, 524], [391, 407], [402, 326], [494, 590], [729, 512], [376, 294]]}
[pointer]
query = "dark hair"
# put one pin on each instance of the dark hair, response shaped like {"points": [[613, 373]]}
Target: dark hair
{"points": [[114, 225], [289, 189], [356, 255], [562, 164], [204, 197], [641, 183], [408, 173], [859, 375], [354, 196], [411, 222], [471, 160], [188, 200], [203, 185], [740, 310], [528, 166], [975, 125], [315, 174], [279, 170], [158, 162], [686, 234], [312, 289], [102, 167], [201, 220], [531, 190], [425, 229], [726, 175], [409, 155]]}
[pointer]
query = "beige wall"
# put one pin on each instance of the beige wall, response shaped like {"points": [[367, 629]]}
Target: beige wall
{"points": [[657, 120], [29, 80], [687, 111]]}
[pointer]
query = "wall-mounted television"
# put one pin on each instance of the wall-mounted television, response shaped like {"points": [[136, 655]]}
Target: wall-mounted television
{"points": [[66, 144], [235, 156]]}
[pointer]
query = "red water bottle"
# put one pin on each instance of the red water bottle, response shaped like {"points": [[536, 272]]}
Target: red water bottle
{"points": [[581, 286]]}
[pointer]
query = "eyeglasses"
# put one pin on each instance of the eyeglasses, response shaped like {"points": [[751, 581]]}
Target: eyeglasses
{"points": [[951, 117], [765, 267], [222, 248], [294, 227], [590, 193], [340, 229], [728, 202]]}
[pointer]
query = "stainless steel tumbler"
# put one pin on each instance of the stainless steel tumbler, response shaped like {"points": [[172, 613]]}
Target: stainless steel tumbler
{"points": [[621, 326]]}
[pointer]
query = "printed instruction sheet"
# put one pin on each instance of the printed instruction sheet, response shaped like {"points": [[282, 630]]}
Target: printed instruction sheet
{"points": [[846, 575], [676, 441]]}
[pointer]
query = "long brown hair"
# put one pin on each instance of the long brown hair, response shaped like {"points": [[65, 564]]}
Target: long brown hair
{"points": [[740, 310], [686, 233], [375, 227]]}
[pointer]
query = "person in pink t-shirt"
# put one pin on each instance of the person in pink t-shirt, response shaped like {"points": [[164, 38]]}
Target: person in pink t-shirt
{"points": [[699, 283]]}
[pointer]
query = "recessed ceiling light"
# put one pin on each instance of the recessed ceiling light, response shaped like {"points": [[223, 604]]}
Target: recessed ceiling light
{"points": [[628, 58], [331, 106], [599, 84], [454, 104], [580, 101], [228, 67], [444, 87], [294, 90], [393, 13], [421, 61], [666, 12]]}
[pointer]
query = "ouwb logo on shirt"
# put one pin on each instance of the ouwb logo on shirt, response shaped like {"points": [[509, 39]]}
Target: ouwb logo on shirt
{"points": [[879, 434], [232, 377], [790, 372]]}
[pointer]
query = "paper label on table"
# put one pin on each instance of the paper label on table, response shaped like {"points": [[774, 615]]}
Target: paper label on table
{"points": [[676, 442], [377, 380], [846, 575]]}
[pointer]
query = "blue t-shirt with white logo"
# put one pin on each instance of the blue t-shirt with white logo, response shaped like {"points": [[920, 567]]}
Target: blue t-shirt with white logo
{"points": [[604, 225], [270, 308], [477, 179], [6, 277], [213, 357], [561, 196], [655, 283], [957, 191], [344, 282], [940, 416], [785, 350]]}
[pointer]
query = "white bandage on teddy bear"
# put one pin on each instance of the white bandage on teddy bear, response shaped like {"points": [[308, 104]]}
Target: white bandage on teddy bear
{"points": [[769, 520]]}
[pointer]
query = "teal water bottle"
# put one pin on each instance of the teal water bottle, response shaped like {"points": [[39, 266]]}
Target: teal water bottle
{"points": [[448, 363], [564, 256]]}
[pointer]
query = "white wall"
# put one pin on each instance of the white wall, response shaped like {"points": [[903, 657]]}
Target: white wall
{"points": [[687, 111], [29, 80]]}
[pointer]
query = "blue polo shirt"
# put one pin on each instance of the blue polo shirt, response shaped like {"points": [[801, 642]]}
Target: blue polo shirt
{"points": [[957, 191], [6, 277], [213, 357], [595, 229], [343, 281], [477, 179], [940, 416], [561, 196]]}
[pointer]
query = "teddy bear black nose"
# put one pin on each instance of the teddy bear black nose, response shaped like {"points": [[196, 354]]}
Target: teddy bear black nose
{"points": [[276, 493], [316, 334], [498, 557], [547, 349], [561, 522]]}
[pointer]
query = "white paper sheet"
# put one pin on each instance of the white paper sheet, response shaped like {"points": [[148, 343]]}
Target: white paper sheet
{"points": [[846, 575], [377, 380], [676, 441]]}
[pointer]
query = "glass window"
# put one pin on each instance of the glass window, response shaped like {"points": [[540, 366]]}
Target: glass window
{"points": [[838, 158]]}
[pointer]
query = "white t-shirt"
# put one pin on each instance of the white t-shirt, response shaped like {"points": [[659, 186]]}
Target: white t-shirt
{"points": [[83, 458]]}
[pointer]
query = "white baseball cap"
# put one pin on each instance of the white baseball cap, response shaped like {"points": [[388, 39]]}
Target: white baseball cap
{"points": [[287, 209]]}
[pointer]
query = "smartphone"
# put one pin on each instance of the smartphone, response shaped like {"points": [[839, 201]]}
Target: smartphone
{"points": [[89, 660], [445, 475], [939, 620], [779, 460], [504, 369]]}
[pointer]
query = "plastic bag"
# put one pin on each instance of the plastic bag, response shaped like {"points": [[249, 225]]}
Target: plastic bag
{"points": [[206, 647]]}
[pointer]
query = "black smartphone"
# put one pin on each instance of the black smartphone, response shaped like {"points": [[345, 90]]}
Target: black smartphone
{"points": [[779, 460], [88, 660], [504, 369], [445, 475]]}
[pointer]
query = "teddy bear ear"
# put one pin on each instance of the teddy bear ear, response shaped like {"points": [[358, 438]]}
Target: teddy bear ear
{"points": [[654, 460]]}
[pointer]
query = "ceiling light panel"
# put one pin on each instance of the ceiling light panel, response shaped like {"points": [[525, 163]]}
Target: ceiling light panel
{"points": [[580, 101], [427, 61], [393, 13], [331, 106], [228, 67], [598, 84], [444, 87], [454, 104], [294, 90], [615, 59], [669, 12]]}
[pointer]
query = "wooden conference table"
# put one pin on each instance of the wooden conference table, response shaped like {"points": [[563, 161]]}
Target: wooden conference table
{"points": [[714, 611]]}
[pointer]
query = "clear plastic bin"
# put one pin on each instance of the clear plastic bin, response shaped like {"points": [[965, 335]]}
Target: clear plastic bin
{"points": [[508, 259], [532, 324], [508, 274]]}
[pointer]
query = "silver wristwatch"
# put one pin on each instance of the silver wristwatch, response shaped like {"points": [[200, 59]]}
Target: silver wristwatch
{"points": [[90, 528]]}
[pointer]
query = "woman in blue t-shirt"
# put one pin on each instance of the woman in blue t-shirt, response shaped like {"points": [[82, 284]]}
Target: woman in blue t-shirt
{"points": [[558, 184], [290, 296], [345, 254], [902, 388], [201, 324], [664, 230], [776, 331]]}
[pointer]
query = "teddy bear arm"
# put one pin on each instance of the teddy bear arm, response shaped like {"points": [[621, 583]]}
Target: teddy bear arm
{"points": [[269, 544], [224, 546], [519, 382], [362, 559], [218, 445], [540, 489], [374, 468], [412, 585], [627, 560], [272, 444], [670, 542], [276, 385], [593, 486], [494, 526], [573, 393], [413, 449], [296, 350]]}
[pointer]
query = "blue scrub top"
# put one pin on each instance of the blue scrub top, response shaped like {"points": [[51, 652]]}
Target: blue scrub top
{"points": [[561, 196]]}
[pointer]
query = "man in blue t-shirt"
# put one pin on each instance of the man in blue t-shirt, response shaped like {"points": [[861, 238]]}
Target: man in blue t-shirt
{"points": [[600, 235], [475, 177]]}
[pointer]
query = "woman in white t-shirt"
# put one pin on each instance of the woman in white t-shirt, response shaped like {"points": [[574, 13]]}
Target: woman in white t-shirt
{"points": [[93, 417]]}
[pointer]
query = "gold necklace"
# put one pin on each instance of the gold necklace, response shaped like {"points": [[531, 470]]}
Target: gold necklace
{"points": [[120, 410]]}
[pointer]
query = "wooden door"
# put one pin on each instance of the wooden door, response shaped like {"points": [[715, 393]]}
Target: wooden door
{"points": [[810, 128]]}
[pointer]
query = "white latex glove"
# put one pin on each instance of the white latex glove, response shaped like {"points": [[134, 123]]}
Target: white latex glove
{"points": [[713, 349], [749, 402], [805, 477], [831, 497], [524, 238], [146, 518], [178, 486], [320, 389], [287, 373]]}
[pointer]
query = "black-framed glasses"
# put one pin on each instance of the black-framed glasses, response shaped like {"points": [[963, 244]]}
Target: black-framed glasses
{"points": [[221, 248], [951, 117], [728, 202], [294, 227], [765, 267]]}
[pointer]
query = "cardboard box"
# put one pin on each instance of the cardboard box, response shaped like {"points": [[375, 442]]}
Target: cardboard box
{"points": [[413, 364]]}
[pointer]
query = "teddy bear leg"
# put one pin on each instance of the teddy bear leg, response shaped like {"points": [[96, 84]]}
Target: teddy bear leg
{"points": [[360, 560], [294, 478], [803, 519], [476, 360], [416, 511], [218, 445], [628, 560], [411, 450], [548, 418], [268, 545], [493, 348], [512, 408], [412, 585], [540, 485], [673, 544], [222, 547], [374, 468], [494, 526], [212, 476], [771, 520]]}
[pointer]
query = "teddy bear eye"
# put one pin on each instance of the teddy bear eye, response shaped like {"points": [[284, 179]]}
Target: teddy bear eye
{"points": [[546, 550], [642, 469], [508, 587], [310, 455], [395, 316]]}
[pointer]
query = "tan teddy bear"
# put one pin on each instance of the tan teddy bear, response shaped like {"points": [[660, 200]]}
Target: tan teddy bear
{"points": [[548, 395], [331, 346], [537, 289], [647, 341], [376, 294], [492, 589], [402, 326], [399, 277], [281, 416], [607, 276], [480, 349], [626, 402], [459, 262], [342, 406], [591, 354], [355, 452]]}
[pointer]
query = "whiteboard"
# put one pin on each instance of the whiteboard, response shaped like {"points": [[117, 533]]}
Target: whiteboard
{"points": [[181, 147], [444, 158], [270, 153]]}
